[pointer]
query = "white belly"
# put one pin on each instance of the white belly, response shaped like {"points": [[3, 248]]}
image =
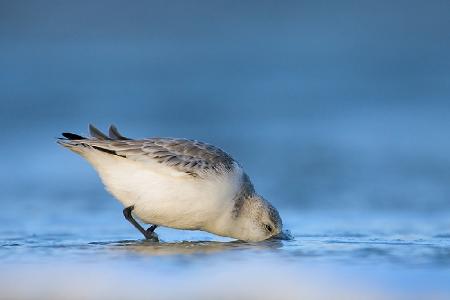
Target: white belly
{"points": [[163, 196]]}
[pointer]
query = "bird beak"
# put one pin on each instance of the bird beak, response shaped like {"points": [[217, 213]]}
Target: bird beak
{"points": [[283, 235]]}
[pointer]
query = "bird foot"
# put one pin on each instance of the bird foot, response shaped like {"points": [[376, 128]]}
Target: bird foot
{"points": [[151, 235]]}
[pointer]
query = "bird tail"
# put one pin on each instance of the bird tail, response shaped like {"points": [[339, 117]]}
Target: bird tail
{"points": [[78, 143]]}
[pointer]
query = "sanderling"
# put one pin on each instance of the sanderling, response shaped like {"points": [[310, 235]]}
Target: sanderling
{"points": [[177, 183]]}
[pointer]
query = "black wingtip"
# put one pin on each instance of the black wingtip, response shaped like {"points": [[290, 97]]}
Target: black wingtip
{"points": [[72, 136]]}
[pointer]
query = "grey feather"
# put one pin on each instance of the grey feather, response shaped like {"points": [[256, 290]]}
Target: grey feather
{"points": [[246, 190], [189, 156], [97, 133], [115, 134]]}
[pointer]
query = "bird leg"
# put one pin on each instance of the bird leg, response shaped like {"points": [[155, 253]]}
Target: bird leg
{"points": [[149, 233]]}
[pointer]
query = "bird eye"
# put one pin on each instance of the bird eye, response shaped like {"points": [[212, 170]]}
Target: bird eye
{"points": [[268, 227]]}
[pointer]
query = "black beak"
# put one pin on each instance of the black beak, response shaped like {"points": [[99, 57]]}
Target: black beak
{"points": [[284, 235]]}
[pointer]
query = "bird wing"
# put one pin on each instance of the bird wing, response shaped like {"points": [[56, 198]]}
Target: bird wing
{"points": [[189, 156]]}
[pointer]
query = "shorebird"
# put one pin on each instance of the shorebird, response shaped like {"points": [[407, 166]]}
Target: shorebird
{"points": [[177, 183]]}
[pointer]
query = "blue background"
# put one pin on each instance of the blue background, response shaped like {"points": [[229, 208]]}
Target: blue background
{"points": [[328, 105]]}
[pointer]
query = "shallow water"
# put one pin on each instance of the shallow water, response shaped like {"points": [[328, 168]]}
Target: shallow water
{"points": [[405, 240], [387, 255]]}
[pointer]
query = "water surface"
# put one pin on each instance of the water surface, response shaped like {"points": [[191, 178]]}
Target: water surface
{"points": [[395, 255]]}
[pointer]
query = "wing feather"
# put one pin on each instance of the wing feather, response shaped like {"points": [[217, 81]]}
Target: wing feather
{"points": [[114, 134], [189, 156], [96, 133]]}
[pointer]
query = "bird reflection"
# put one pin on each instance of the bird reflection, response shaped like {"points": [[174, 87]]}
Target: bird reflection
{"points": [[146, 247]]}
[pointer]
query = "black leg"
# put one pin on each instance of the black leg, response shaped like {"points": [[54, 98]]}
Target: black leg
{"points": [[151, 229], [147, 233]]}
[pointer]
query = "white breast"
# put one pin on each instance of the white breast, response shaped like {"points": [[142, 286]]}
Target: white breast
{"points": [[164, 196]]}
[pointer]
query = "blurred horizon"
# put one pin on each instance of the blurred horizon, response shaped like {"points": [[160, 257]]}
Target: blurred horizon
{"points": [[328, 106]]}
